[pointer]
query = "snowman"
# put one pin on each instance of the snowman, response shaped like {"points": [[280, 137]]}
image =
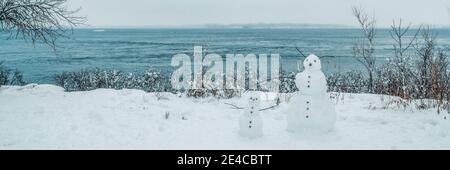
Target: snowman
{"points": [[312, 109], [250, 122]]}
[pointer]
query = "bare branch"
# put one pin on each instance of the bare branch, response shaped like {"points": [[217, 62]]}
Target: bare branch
{"points": [[364, 48], [41, 21], [234, 106], [298, 50]]}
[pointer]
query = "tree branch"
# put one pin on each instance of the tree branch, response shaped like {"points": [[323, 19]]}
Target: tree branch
{"points": [[41, 21]]}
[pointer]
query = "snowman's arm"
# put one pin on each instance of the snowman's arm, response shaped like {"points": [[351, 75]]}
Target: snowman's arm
{"points": [[271, 107], [234, 106]]}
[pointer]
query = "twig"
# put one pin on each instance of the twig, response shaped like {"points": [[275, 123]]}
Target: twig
{"points": [[300, 52], [235, 107], [326, 56], [240, 108], [271, 107]]}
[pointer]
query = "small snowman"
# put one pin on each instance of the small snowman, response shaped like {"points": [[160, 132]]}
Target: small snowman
{"points": [[250, 122], [312, 109]]}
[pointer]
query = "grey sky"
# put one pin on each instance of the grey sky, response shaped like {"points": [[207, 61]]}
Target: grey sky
{"points": [[198, 12]]}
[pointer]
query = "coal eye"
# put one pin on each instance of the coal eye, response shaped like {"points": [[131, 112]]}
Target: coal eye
{"points": [[315, 60]]}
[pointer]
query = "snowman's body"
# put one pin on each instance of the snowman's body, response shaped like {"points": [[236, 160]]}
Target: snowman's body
{"points": [[311, 109], [250, 122]]}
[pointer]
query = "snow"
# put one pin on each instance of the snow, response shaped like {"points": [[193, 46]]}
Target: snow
{"points": [[46, 117]]}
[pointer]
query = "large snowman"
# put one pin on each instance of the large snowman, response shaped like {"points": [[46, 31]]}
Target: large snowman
{"points": [[250, 122], [311, 109]]}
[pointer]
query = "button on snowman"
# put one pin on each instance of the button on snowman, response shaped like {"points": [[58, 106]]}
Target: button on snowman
{"points": [[250, 122], [311, 110]]}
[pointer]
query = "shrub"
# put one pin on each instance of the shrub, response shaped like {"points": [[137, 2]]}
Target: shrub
{"points": [[91, 79], [287, 82], [348, 82], [10, 77], [4, 75]]}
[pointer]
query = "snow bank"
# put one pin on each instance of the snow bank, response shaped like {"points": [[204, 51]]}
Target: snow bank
{"points": [[46, 117]]}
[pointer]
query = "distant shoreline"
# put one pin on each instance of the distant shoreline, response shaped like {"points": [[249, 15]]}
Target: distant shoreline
{"points": [[228, 26], [248, 26], [202, 28]]}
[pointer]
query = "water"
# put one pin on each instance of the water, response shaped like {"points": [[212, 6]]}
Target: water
{"points": [[135, 50]]}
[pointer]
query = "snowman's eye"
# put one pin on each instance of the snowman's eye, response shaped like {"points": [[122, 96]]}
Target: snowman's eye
{"points": [[315, 61]]}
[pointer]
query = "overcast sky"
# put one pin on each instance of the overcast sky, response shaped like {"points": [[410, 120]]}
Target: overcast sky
{"points": [[199, 12]]}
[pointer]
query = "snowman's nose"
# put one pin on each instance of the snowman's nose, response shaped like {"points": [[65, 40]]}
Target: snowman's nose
{"points": [[310, 64]]}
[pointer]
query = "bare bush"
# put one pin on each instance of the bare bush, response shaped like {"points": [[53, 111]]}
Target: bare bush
{"points": [[430, 71], [425, 51], [401, 60], [364, 48], [418, 70], [439, 79]]}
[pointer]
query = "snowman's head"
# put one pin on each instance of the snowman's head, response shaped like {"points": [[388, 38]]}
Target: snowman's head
{"points": [[254, 100], [312, 63]]}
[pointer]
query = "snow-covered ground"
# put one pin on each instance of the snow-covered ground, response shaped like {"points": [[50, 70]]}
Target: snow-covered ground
{"points": [[45, 117]]}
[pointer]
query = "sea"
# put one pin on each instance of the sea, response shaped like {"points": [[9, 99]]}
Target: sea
{"points": [[137, 50]]}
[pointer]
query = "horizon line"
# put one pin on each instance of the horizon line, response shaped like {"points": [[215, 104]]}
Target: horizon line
{"points": [[245, 26]]}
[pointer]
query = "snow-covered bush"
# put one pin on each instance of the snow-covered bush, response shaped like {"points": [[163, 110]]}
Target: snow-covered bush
{"points": [[91, 79], [150, 81], [4, 75], [348, 82], [83, 80], [154, 81], [220, 93], [212, 88], [287, 82], [10, 77]]}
